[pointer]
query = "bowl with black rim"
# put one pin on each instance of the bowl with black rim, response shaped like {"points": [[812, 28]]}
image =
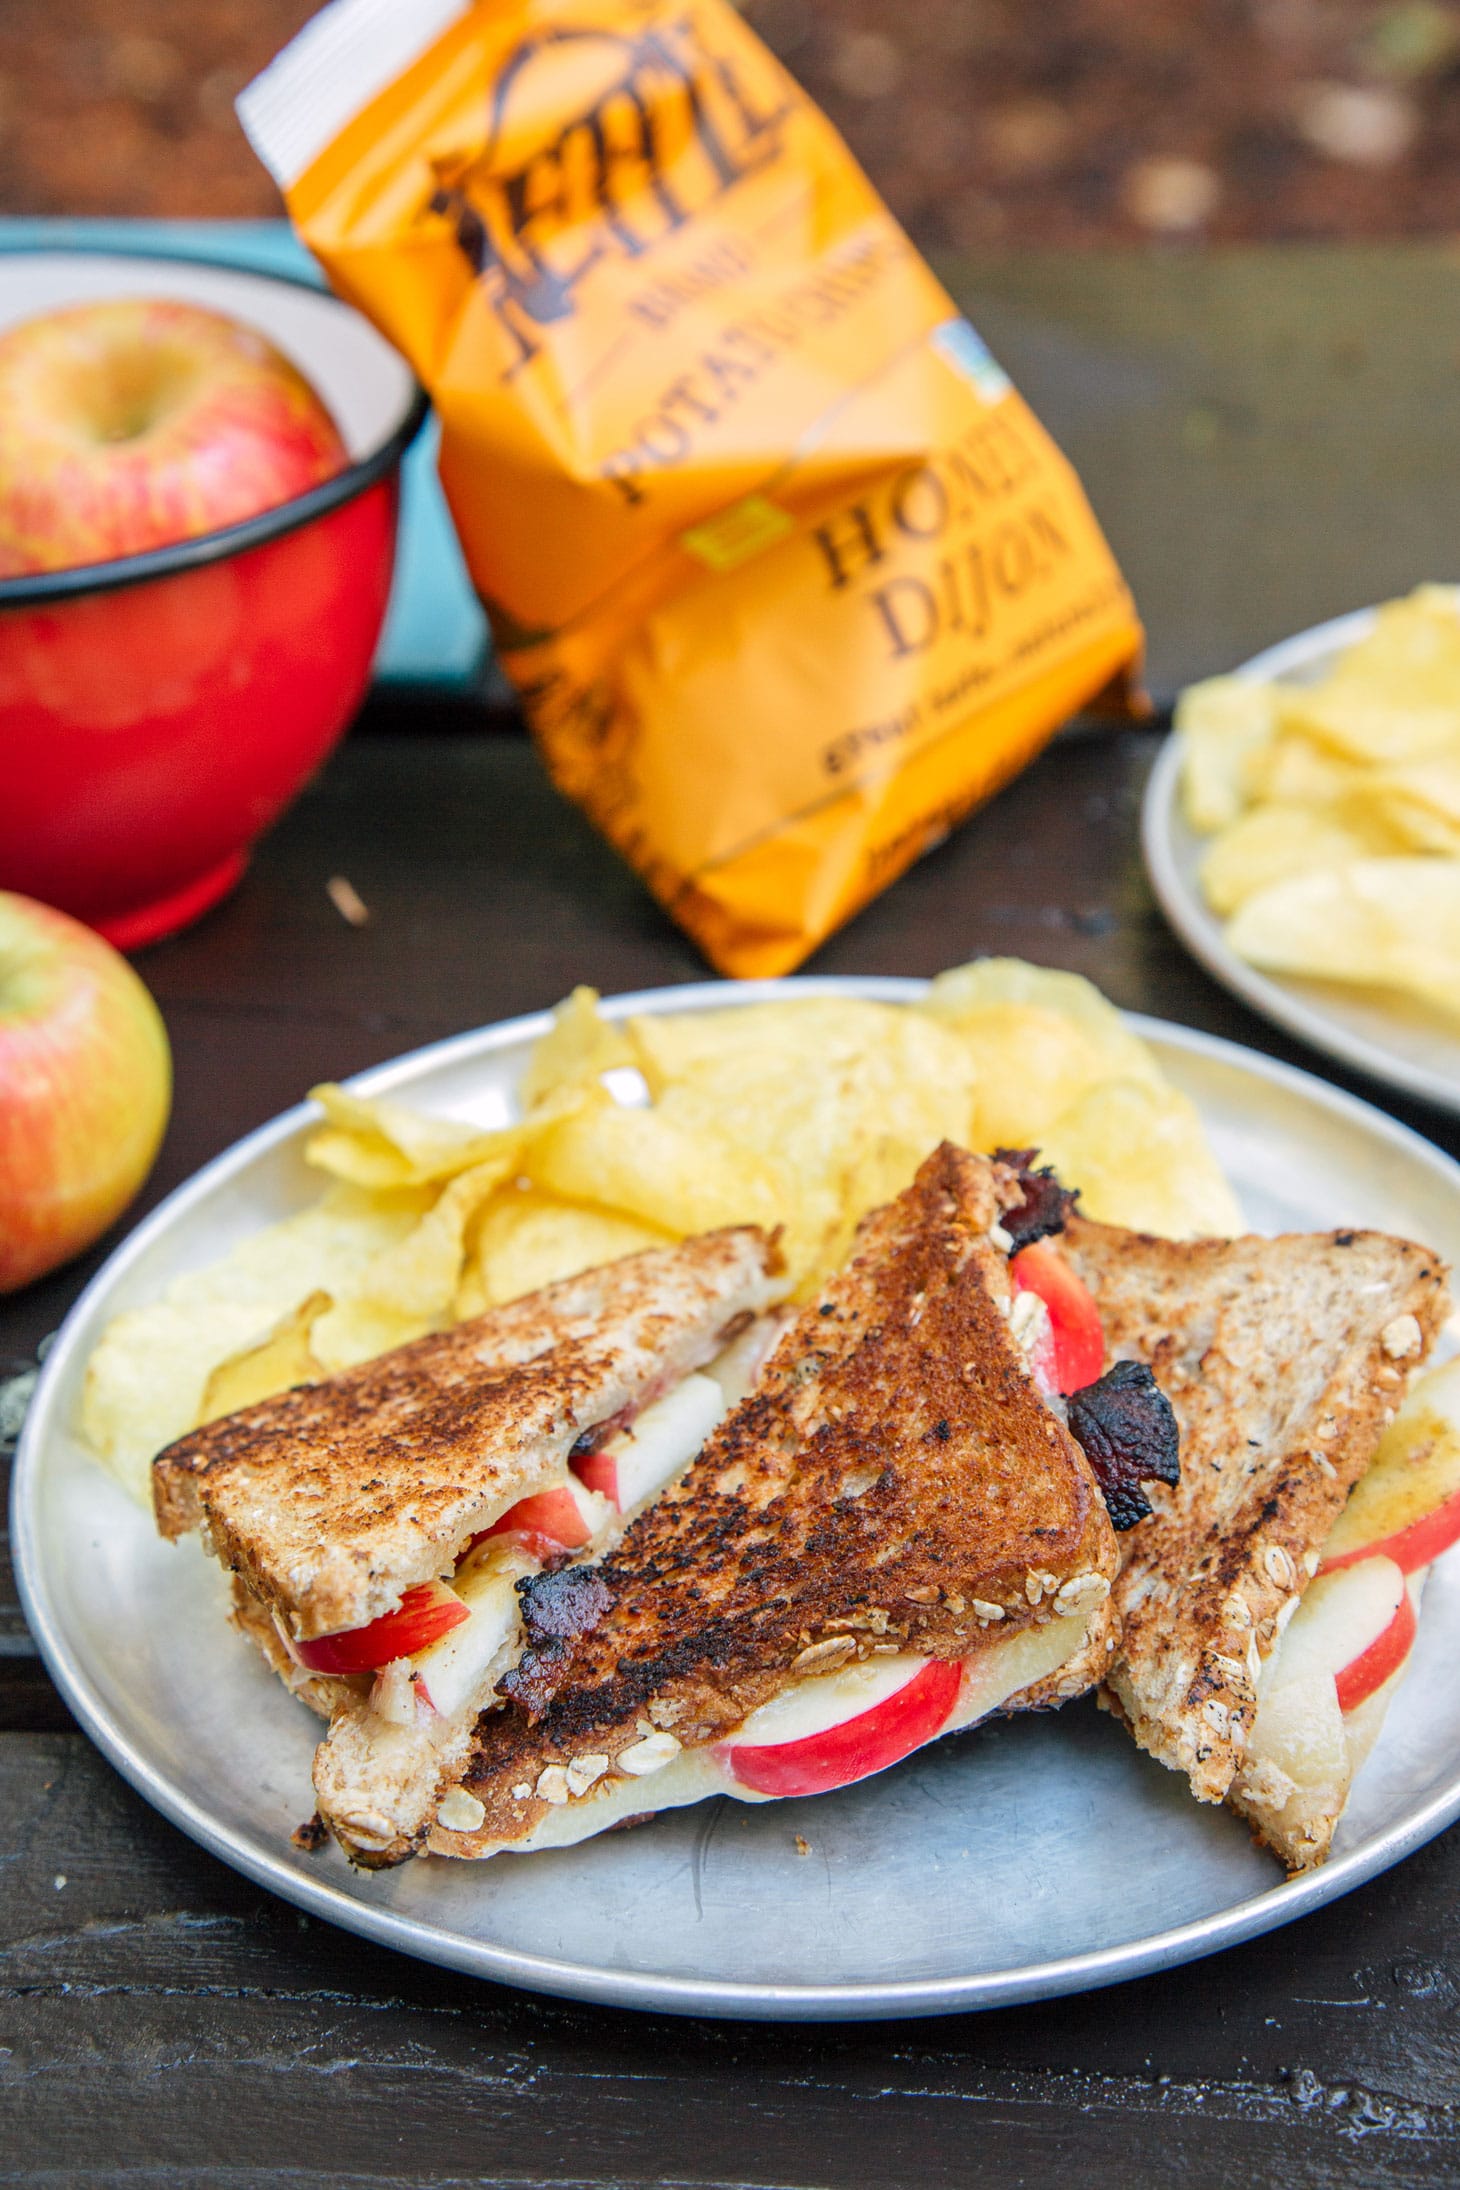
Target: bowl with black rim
{"points": [[158, 710]]}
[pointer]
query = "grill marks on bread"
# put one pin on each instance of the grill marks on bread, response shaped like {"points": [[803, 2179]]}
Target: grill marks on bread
{"points": [[894, 1466], [1272, 1354], [332, 1499]]}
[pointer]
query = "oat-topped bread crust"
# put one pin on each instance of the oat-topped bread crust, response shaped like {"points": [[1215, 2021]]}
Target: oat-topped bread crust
{"points": [[1283, 1359], [895, 1482], [333, 1498]]}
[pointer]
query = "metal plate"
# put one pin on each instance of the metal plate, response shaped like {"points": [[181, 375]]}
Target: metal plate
{"points": [[1021, 1860], [1390, 1037]]}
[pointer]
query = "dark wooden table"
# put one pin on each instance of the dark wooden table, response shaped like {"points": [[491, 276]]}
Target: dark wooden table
{"points": [[162, 2022]]}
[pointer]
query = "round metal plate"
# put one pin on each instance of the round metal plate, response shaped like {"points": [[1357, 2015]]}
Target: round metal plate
{"points": [[1023, 1859], [1387, 1036]]}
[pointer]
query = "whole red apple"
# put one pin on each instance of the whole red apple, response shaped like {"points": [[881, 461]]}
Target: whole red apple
{"points": [[128, 423], [85, 1087]]}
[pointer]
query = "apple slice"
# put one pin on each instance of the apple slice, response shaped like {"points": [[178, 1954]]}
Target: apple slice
{"points": [[661, 1441], [738, 1368], [449, 1673], [1355, 1626], [425, 1613], [1385, 1655], [1078, 1339], [565, 1518], [1321, 1701], [1363, 1724], [1407, 1507], [829, 1732]]}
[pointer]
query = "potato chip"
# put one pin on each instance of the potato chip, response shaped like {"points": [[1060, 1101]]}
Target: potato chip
{"points": [[528, 1239], [1140, 1157], [1420, 803], [1269, 843], [823, 1101], [1038, 1039], [1221, 723], [1294, 771], [418, 1276], [578, 1049], [374, 1142], [1394, 696], [653, 1168], [1385, 923], [146, 1379], [278, 1362], [1032, 1063]]}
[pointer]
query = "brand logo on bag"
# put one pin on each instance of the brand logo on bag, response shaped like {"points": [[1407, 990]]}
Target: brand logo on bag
{"points": [[661, 127]]}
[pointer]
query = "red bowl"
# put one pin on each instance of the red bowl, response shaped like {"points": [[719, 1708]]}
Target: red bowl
{"points": [[157, 712]]}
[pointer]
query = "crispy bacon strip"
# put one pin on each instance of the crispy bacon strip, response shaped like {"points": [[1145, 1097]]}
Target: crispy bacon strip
{"points": [[1046, 1207], [1129, 1433]]}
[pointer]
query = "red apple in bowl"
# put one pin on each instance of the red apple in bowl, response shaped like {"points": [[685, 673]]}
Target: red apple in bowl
{"points": [[127, 423], [159, 708], [85, 1088]]}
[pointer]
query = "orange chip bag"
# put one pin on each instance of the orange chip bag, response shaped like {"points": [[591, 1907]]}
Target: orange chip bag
{"points": [[786, 573]]}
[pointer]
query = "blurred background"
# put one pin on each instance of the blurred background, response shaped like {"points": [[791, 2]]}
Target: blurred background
{"points": [[987, 124]]}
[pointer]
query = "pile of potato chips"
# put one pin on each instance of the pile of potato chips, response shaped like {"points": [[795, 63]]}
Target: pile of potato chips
{"points": [[1334, 808], [801, 1114]]}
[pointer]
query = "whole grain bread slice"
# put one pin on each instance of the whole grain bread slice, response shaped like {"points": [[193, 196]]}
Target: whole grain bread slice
{"points": [[894, 1483], [332, 1499], [1283, 1359]]}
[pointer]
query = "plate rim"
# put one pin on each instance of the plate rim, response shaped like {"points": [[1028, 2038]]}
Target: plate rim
{"points": [[649, 1991], [1199, 929]]}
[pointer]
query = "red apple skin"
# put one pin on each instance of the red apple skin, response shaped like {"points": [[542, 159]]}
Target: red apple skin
{"points": [[85, 1087], [550, 1518], [1363, 1674], [1410, 1548], [857, 1747], [128, 423], [425, 1613], [1079, 1341], [598, 1471]]}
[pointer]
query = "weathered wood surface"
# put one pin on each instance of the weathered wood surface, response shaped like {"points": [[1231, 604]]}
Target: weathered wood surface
{"points": [[166, 2022]]}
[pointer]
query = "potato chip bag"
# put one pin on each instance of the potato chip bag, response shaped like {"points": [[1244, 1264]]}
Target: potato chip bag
{"points": [[787, 575]]}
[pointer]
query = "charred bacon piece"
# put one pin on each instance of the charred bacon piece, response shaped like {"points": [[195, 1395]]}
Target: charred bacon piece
{"points": [[1129, 1433], [1046, 1206], [557, 1607]]}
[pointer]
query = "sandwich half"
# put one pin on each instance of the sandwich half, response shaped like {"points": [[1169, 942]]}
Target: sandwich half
{"points": [[1283, 1360], [891, 1536], [377, 1523]]}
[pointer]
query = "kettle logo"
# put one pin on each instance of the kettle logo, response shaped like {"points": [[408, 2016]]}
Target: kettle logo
{"points": [[660, 128]]}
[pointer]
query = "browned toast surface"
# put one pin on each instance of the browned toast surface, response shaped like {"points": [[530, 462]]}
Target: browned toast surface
{"points": [[1282, 1359], [895, 1482], [333, 1498]]}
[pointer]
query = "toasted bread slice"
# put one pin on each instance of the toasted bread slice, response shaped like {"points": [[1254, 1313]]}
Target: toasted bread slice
{"points": [[334, 1498], [1282, 1359], [378, 1778], [895, 1484]]}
